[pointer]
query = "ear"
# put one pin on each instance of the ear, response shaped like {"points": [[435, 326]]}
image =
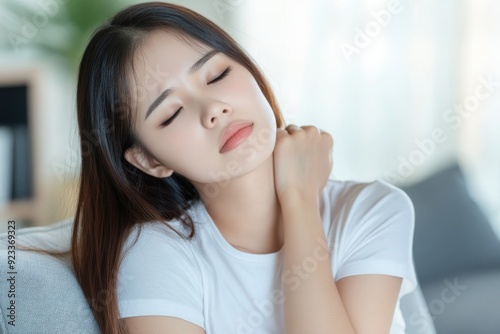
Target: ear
{"points": [[143, 161]]}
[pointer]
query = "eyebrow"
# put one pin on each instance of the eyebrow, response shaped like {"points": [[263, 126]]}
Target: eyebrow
{"points": [[196, 66]]}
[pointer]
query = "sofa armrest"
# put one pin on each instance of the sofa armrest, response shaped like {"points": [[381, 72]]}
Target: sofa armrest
{"points": [[416, 313], [48, 298]]}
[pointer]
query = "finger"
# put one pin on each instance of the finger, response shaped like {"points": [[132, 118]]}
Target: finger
{"points": [[311, 128], [281, 133], [292, 127], [329, 138], [323, 132]]}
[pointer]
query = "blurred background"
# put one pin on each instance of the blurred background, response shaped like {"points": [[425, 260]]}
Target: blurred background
{"points": [[409, 89]]}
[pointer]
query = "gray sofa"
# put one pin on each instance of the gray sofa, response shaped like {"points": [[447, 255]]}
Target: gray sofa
{"points": [[49, 299], [456, 254]]}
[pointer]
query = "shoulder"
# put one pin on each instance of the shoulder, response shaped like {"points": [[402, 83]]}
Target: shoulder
{"points": [[168, 241], [372, 230], [156, 243], [159, 275], [172, 232], [366, 196], [362, 207], [352, 188], [153, 253]]}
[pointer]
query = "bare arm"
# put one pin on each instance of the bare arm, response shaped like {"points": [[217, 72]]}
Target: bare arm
{"points": [[160, 325], [314, 302]]}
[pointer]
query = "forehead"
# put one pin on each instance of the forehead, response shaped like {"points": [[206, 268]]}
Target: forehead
{"points": [[162, 58], [166, 53]]}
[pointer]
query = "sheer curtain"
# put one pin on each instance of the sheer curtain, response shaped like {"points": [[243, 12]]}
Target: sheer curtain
{"points": [[405, 87]]}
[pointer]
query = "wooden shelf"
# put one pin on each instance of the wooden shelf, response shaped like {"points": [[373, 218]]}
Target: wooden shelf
{"points": [[20, 209], [33, 76]]}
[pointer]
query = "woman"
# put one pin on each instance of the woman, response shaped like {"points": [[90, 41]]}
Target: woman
{"points": [[199, 212]]}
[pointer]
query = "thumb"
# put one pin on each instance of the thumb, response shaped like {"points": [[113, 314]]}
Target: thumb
{"points": [[280, 132]]}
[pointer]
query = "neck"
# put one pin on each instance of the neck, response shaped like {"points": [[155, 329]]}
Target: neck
{"points": [[247, 212]]}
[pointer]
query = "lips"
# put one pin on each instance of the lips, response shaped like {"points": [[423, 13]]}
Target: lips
{"points": [[231, 130]]}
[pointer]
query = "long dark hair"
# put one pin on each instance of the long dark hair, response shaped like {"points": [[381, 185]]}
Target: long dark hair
{"points": [[115, 196]]}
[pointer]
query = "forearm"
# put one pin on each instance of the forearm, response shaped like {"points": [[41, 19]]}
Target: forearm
{"points": [[312, 302]]}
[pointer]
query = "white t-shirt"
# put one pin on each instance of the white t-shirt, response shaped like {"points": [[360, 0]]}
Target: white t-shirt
{"points": [[369, 229]]}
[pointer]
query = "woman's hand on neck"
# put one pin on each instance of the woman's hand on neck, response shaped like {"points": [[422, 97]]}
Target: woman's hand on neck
{"points": [[247, 210], [302, 162]]}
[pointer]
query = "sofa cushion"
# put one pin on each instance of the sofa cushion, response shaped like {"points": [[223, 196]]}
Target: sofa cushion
{"points": [[416, 314], [452, 234], [48, 298], [464, 304], [52, 237]]}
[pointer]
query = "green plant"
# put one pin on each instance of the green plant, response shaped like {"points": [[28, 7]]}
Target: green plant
{"points": [[58, 28]]}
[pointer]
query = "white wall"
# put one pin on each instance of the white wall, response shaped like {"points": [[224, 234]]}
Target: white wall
{"points": [[388, 98], [379, 104]]}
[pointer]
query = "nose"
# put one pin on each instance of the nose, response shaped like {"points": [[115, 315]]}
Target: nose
{"points": [[214, 111]]}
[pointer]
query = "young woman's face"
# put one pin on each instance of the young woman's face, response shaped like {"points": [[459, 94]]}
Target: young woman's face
{"points": [[182, 130]]}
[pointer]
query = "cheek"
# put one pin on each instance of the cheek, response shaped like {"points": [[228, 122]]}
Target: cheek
{"points": [[175, 147], [186, 155], [259, 101], [167, 148], [242, 90], [238, 92]]}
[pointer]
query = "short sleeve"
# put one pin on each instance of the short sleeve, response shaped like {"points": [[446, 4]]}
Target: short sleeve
{"points": [[159, 276], [378, 236]]}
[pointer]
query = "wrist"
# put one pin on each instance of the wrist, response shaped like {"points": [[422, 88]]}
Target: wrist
{"points": [[295, 198]]}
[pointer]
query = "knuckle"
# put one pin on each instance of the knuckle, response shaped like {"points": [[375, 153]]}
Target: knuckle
{"points": [[328, 136]]}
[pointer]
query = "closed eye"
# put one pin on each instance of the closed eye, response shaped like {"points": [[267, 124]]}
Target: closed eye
{"points": [[222, 76], [168, 121]]}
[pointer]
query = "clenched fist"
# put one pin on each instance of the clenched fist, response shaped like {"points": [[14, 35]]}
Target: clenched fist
{"points": [[302, 161]]}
